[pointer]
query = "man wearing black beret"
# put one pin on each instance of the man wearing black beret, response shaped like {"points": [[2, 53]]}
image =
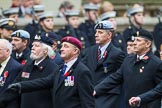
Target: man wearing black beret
{"points": [[52, 40], [139, 72]]}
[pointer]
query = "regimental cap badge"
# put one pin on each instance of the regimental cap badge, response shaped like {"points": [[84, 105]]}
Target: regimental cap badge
{"points": [[37, 37], [137, 33], [17, 34], [10, 23]]}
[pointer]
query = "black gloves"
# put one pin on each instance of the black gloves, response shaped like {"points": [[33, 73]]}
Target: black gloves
{"points": [[16, 87]]}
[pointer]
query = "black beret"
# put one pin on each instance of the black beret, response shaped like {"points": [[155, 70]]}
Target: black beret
{"points": [[144, 33]]}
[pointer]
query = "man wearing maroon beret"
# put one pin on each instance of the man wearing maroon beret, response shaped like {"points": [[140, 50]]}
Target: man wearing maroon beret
{"points": [[72, 83]]}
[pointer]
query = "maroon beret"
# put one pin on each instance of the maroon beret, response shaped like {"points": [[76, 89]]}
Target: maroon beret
{"points": [[73, 41]]}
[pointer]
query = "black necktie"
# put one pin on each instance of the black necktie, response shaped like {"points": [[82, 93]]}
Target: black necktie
{"points": [[0, 65]]}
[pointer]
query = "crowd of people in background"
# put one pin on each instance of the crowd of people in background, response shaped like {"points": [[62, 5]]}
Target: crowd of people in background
{"points": [[82, 65]]}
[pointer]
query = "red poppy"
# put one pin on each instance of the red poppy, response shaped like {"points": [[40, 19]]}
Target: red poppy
{"points": [[66, 74], [6, 74], [23, 62], [105, 54], [145, 57]]}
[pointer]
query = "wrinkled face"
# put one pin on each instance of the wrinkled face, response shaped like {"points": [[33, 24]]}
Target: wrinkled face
{"points": [[141, 45], [102, 36], [138, 17], [130, 47], [114, 22], [4, 52], [37, 52], [48, 23], [73, 21], [67, 50]]}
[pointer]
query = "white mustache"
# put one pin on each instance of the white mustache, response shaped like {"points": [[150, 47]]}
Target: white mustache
{"points": [[32, 51]]}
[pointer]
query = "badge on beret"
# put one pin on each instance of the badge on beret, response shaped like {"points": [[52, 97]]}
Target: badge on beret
{"points": [[82, 38], [120, 41], [67, 32], [58, 42], [137, 33], [37, 37], [100, 25], [18, 34], [10, 23]]}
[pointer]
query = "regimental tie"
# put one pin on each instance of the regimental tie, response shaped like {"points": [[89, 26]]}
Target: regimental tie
{"points": [[63, 70], [99, 55]]}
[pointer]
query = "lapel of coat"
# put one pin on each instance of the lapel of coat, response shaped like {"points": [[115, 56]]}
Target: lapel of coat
{"points": [[61, 81], [107, 51], [94, 55], [43, 64], [8, 66]]}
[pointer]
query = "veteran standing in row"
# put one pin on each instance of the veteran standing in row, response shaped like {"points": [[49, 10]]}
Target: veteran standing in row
{"points": [[117, 39], [104, 59], [20, 40], [139, 72], [40, 66]]}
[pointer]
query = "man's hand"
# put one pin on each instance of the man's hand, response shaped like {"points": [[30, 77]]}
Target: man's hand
{"points": [[135, 101], [16, 87]]}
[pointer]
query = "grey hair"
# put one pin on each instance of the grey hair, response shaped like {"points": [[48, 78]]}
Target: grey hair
{"points": [[50, 51], [7, 45]]}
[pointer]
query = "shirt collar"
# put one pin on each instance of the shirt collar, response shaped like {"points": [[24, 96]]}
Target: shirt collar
{"points": [[38, 62], [4, 63], [70, 63], [19, 54], [104, 48], [141, 56]]}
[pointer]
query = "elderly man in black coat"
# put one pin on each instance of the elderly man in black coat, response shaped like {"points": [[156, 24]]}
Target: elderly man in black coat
{"points": [[40, 66], [139, 72]]}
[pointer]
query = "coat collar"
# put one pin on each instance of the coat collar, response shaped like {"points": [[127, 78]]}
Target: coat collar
{"points": [[106, 53], [145, 59]]}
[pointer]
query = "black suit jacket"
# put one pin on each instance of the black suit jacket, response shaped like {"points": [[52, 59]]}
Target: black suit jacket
{"points": [[24, 58], [151, 95], [41, 98], [13, 68], [137, 77], [111, 62], [78, 95]]}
